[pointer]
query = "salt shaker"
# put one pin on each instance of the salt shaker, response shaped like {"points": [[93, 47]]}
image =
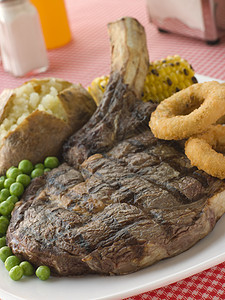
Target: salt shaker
{"points": [[23, 48]]}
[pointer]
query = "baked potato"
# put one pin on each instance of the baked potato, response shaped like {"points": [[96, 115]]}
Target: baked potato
{"points": [[37, 117]]}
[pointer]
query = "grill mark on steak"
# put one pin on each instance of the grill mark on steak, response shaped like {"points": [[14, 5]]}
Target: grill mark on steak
{"points": [[123, 199], [144, 167]]}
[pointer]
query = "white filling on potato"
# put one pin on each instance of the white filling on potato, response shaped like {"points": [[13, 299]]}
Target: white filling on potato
{"points": [[29, 98]]}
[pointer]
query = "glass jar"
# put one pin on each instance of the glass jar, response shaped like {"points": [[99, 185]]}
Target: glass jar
{"points": [[22, 44]]}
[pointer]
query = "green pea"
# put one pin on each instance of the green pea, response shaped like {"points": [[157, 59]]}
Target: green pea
{"points": [[13, 172], [51, 162], [28, 269], [39, 166], [37, 172], [5, 252], [2, 241], [2, 180], [8, 182], [8, 171], [4, 223], [12, 198], [43, 272], [24, 179], [4, 194], [6, 207], [16, 189], [26, 166], [16, 273], [47, 170], [11, 261]]}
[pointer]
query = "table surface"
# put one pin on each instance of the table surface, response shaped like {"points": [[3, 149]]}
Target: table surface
{"points": [[88, 56]]}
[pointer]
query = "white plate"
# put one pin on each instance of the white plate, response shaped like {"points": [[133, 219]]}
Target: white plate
{"points": [[207, 253]]}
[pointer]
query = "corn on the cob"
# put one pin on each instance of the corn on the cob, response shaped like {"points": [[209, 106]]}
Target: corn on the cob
{"points": [[165, 77], [97, 88]]}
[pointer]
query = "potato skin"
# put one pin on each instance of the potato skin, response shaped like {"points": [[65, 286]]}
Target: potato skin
{"points": [[78, 104], [38, 136], [42, 134]]}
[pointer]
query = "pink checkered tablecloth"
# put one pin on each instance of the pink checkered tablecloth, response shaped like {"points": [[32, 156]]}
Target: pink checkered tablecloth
{"points": [[88, 56], [207, 285]]}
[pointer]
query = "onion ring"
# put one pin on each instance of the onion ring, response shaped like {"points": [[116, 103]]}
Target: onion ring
{"points": [[202, 151], [189, 111]]}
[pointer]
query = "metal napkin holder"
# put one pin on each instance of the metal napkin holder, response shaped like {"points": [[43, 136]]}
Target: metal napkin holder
{"points": [[202, 19]]}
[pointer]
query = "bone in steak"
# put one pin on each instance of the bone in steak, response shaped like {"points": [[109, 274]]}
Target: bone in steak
{"points": [[122, 199]]}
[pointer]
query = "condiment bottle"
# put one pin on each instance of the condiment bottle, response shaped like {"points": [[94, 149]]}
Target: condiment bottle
{"points": [[23, 48], [54, 22]]}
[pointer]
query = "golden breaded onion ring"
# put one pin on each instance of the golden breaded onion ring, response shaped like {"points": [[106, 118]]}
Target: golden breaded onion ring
{"points": [[189, 111], [202, 151]]}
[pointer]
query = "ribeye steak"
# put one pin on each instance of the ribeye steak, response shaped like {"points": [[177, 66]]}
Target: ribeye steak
{"points": [[122, 199]]}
